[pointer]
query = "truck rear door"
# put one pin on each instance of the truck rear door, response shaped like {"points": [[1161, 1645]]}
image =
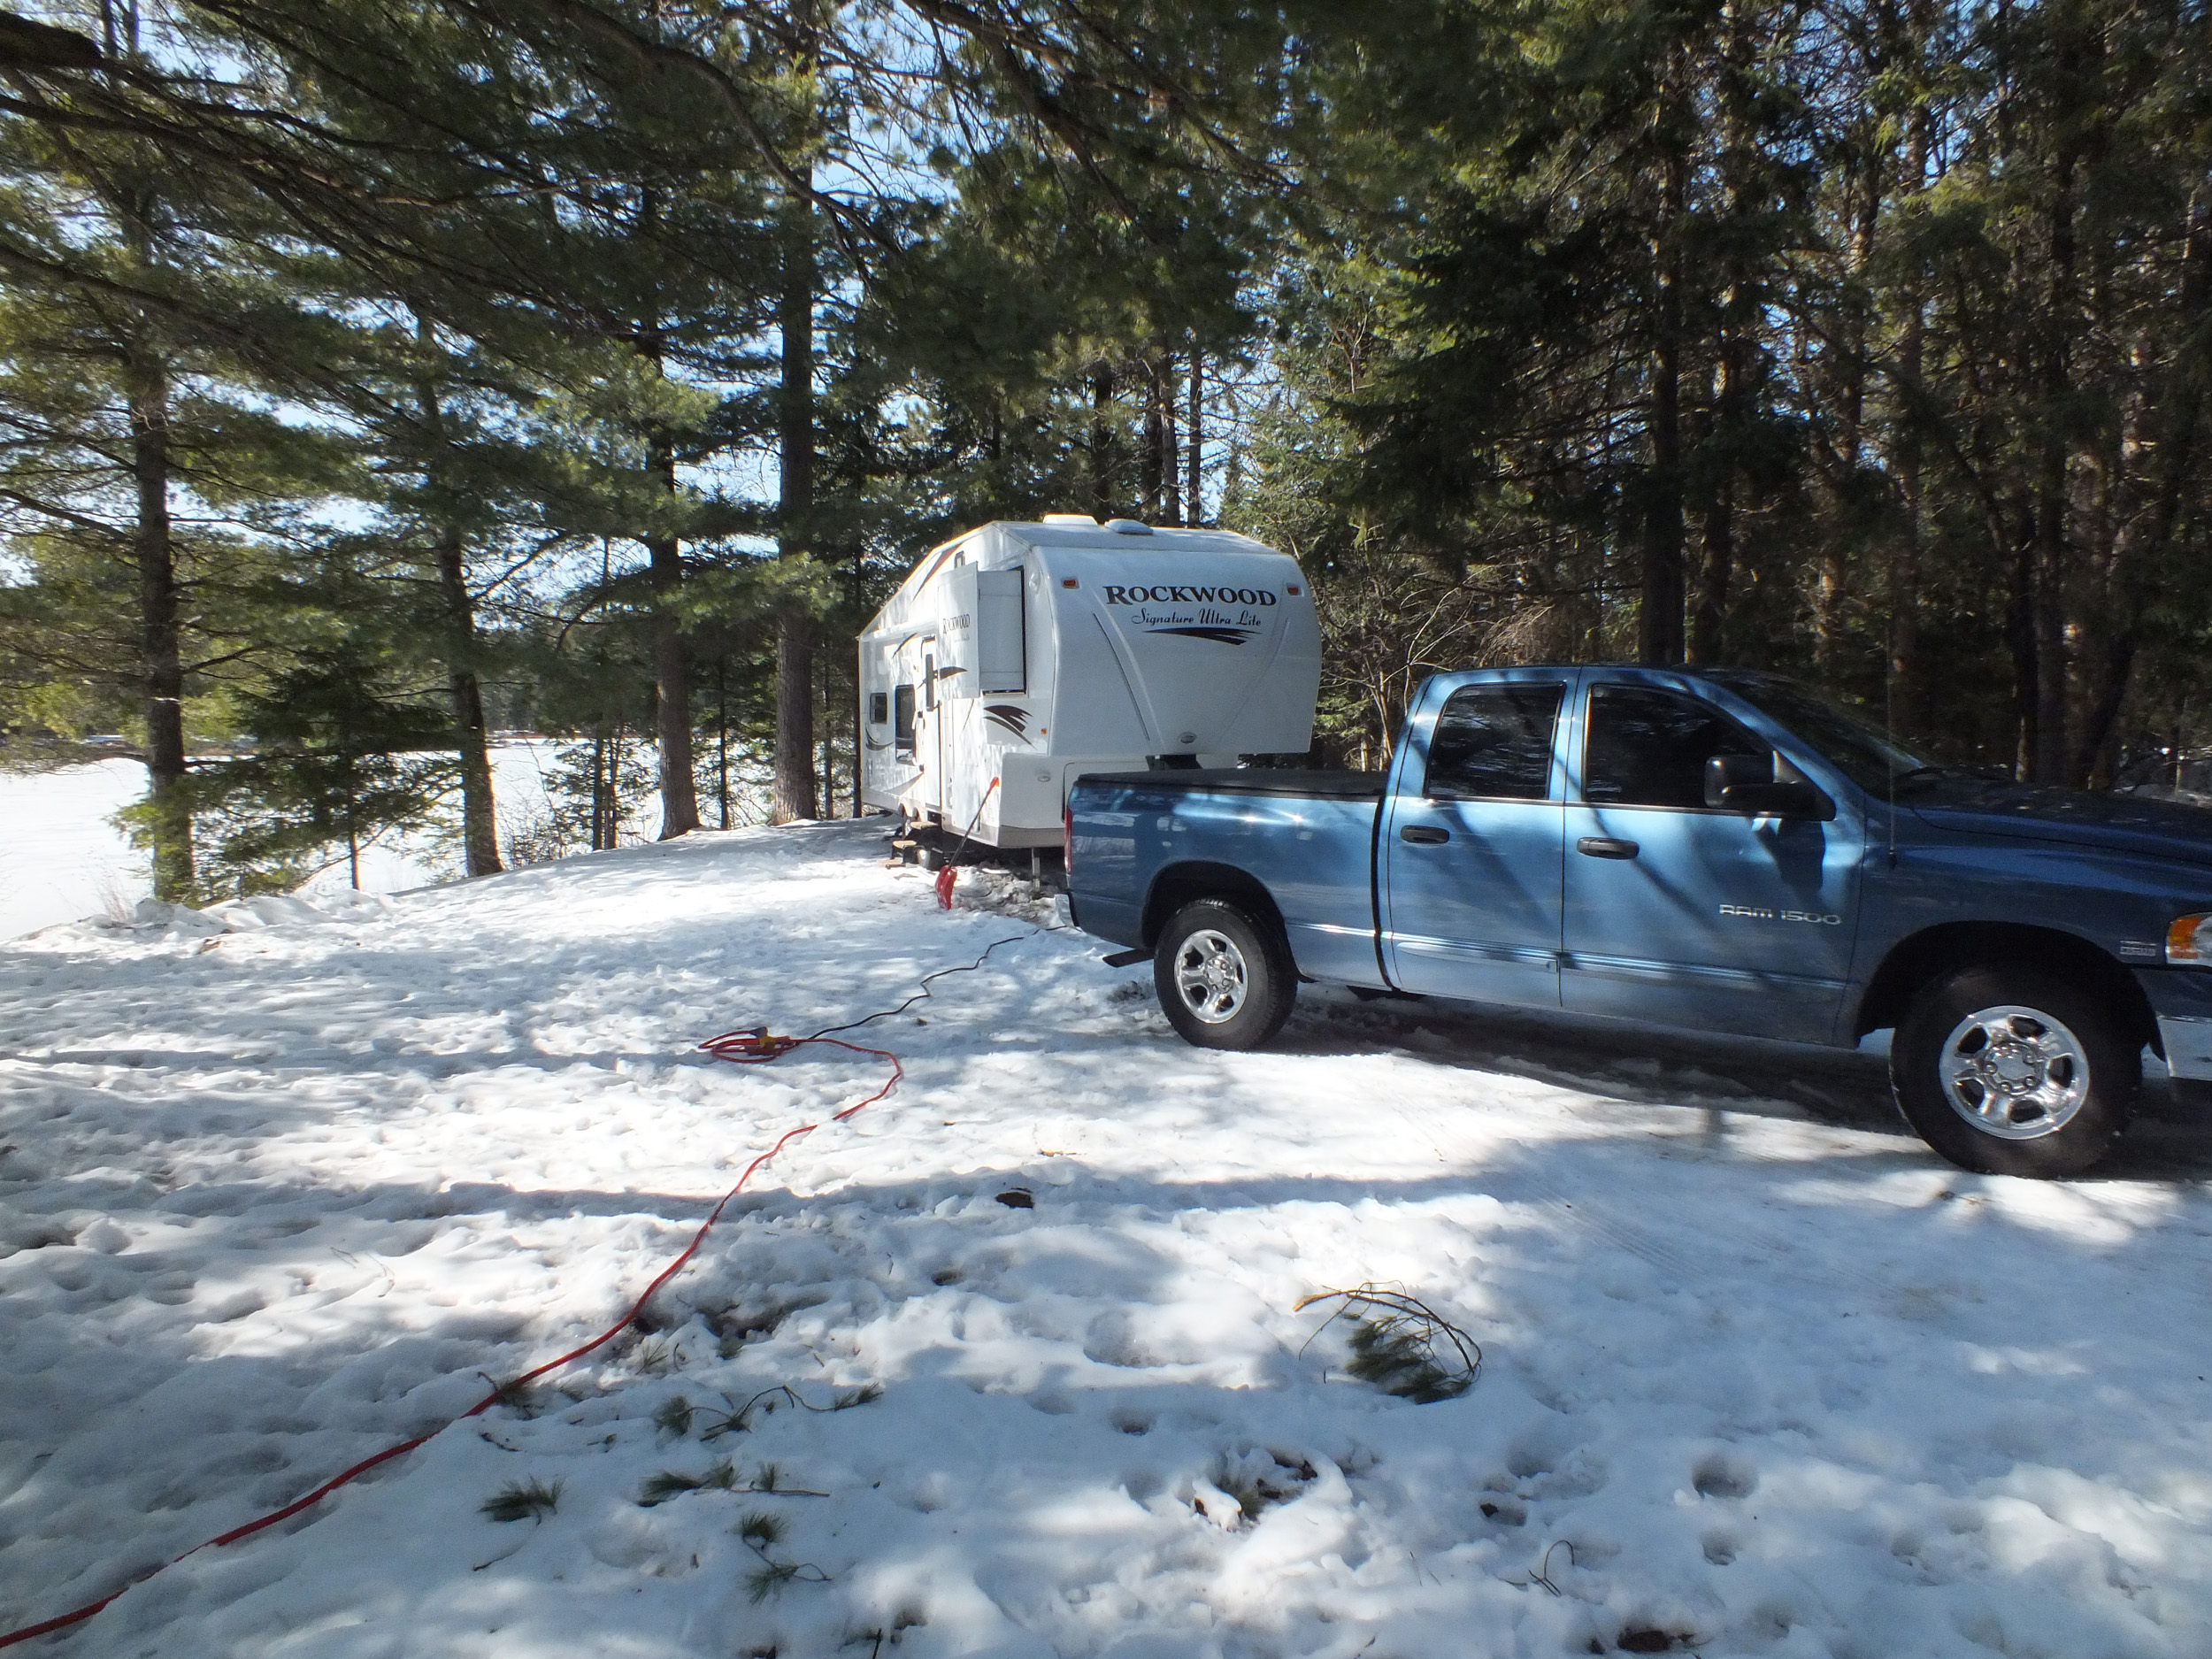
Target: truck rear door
{"points": [[1691, 915], [1469, 855]]}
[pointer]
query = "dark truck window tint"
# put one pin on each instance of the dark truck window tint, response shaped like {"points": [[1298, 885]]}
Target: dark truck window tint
{"points": [[1494, 742], [1850, 740], [1649, 747], [903, 732]]}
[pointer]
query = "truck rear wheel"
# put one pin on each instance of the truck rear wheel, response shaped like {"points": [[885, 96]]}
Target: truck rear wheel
{"points": [[2012, 1073], [1224, 978]]}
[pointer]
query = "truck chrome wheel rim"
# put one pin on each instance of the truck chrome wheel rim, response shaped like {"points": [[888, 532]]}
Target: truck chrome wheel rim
{"points": [[2014, 1073], [1209, 976]]}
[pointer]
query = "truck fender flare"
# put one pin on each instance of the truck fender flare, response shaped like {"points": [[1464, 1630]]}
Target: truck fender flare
{"points": [[1179, 884], [1919, 958]]}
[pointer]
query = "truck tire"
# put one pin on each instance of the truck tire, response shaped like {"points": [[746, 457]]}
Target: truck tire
{"points": [[1224, 978], [2009, 1073]]}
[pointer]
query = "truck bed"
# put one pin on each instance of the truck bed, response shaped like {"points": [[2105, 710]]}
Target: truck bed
{"points": [[1298, 843]]}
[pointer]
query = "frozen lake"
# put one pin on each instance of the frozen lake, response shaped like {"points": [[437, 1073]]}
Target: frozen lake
{"points": [[62, 858]]}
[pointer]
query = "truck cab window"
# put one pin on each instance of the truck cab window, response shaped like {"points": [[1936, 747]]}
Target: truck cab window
{"points": [[1649, 748], [903, 729], [1493, 743]]}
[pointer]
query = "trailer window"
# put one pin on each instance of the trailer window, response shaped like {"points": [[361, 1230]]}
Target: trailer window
{"points": [[1493, 743], [903, 732], [929, 682], [879, 707]]}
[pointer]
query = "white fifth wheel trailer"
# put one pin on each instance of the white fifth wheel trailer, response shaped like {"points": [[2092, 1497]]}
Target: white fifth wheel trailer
{"points": [[1018, 656]]}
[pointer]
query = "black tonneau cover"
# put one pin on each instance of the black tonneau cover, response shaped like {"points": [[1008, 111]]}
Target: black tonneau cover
{"points": [[1272, 780]]}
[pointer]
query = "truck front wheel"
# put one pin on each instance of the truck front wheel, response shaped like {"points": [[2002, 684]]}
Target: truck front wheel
{"points": [[1224, 978], [2014, 1074]]}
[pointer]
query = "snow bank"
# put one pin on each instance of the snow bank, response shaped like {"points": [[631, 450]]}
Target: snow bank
{"points": [[1759, 1375]]}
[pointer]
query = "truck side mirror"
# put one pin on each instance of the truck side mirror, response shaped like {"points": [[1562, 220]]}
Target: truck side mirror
{"points": [[1758, 785]]}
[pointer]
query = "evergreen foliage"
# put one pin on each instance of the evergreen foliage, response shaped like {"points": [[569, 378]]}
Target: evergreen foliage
{"points": [[599, 366]]}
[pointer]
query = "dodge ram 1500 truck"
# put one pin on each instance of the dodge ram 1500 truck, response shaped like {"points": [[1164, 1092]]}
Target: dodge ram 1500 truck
{"points": [[1711, 849]]}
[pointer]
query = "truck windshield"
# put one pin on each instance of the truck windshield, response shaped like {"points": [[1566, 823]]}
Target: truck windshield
{"points": [[1851, 742]]}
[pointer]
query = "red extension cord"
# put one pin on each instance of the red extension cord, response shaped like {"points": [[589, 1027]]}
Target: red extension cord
{"points": [[741, 1048]]}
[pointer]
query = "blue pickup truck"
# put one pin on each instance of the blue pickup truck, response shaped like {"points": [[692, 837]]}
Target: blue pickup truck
{"points": [[1711, 849]]}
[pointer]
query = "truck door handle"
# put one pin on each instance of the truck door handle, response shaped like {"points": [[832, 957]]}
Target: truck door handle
{"points": [[1607, 847], [1426, 835]]}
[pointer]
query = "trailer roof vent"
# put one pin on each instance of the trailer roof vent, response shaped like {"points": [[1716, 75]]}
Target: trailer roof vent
{"points": [[1069, 517], [1128, 526]]}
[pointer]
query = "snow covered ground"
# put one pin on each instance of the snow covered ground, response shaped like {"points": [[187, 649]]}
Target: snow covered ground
{"points": [[1760, 1376], [62, 859]]}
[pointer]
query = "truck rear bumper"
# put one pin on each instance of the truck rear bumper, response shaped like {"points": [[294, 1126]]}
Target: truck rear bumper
{"points": [[2181, 1000]]}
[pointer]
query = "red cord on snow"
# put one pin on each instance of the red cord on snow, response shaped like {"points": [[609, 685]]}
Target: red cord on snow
{"points": [[947, 874], [755, 1046]]}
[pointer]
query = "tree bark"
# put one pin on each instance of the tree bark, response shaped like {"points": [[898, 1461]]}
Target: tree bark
{"points": [[1157, 460], [160, 627], [1716, 569], [665, 570], [2021, 635], [2048, 570], [1902, 679], [1101, 443], [1659, 618], [2146, 526], [672, 675], [1833, 582], [794, 782], [160, 619], [479, 818], [1194, 499]]}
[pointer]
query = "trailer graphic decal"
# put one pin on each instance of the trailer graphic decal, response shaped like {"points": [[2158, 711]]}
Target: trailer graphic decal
{"points": [[1013, 716], [1221, 616], [1219, 635]]}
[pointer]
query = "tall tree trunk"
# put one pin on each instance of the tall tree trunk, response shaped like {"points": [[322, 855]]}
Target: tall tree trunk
{"points": [[1157, 460], [671, 675], [1659, 618], [1194, 499], [2147, 525], [722, 738], [1903, 678], [1170, 445], [795, 785], [602, 796], [664, 562], [2021, 635], [1833, 582], [2049, 572], [160, 621], [1102, 444], [859, 591], [480, 821], [479, 818], [1716, 566], [160, 628]]}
